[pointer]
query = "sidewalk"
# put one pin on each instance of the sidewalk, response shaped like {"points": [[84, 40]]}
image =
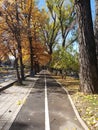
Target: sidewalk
{"points": [[11, 101]]}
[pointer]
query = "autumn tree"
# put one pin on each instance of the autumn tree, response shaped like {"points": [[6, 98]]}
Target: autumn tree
{"points": [[3, 46], [23, 33], [28, 10], [87, 48], [11, 31], [12, 20], [50, 29], [8, 46], [17, 33], [28, 15], [65, 15], [3, 54]]}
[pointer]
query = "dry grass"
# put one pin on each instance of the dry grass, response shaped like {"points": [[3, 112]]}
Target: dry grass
{"points": [[87, 105]]}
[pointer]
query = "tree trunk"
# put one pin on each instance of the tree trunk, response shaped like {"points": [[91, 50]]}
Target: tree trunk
{"points": [[63, 43], [29, 34], [18, 39], [17, 71], [50, 49], [22, 68], [31, 55], [96, 28], [36, 67], [20, 57], [87, 48]]}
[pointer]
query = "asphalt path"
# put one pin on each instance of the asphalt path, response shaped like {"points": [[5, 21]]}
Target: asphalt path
{"points": [[47, 108]]}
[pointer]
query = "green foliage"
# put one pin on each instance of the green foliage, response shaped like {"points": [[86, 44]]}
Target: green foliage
{"points": [[65, 59], [63, 11]]}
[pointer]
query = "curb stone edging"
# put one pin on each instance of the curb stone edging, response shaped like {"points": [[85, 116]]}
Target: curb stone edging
{"points": [[8, 125], [7, 85], [75, 109]]}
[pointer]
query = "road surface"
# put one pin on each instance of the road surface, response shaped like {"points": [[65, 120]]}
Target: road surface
{"points": [[46, 108]]}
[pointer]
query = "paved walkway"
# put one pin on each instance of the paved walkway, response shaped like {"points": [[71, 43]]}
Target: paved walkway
{"points": [[47, 107], [11, 101]]}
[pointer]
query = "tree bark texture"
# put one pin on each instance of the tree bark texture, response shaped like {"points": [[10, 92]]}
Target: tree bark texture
{"points": [[96, 28], [17, 71], [18, 39], [87, 48], [20, 57], [31, 55]]}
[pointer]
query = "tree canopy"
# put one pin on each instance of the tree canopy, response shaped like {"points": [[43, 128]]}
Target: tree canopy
{"points": [[37, 37]]}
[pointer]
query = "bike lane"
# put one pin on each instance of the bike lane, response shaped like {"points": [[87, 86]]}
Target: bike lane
{"points": [[47, 108], [32, 114], [61, 113]]}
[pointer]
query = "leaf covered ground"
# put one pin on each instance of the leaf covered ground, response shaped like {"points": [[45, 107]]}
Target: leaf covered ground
{"points": [[86, 104]]}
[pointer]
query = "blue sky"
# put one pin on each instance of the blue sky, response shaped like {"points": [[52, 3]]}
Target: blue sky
{"points": [[93, 8], [42, 4]]}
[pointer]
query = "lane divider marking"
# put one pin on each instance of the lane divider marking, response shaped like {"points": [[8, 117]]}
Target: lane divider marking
{"points": [[47, 123], [74, 108]]}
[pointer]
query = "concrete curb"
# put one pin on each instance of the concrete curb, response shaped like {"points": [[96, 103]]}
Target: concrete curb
{"points": [[75, 109], [6, 85]]}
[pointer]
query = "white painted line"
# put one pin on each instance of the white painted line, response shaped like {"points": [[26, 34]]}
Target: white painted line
{"points": [[76, 111], [8, 124], [74, 108], [47, 123]]}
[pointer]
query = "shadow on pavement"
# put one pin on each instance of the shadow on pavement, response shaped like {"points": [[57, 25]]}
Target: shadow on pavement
{"points": [[19, 126]]}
